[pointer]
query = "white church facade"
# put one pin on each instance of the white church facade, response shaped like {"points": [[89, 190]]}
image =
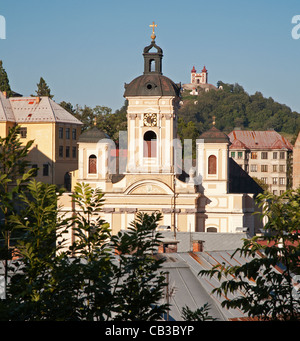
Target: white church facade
{"points": [[192, 197]]}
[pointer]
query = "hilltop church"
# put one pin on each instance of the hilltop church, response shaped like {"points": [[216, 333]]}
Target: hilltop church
{"points": [[210, 195]]}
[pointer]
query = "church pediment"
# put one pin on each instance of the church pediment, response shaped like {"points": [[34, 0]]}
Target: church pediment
{"points": [[149, 187]]}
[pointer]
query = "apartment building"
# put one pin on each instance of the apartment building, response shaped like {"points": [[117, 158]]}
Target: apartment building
{"points": [[265, 155], [55, 133]]}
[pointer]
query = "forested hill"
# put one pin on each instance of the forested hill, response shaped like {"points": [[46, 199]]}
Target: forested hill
{"points": [[234, 107]]}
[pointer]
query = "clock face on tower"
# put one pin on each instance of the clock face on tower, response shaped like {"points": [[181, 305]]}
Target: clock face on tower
{"points": [[150, 120]]}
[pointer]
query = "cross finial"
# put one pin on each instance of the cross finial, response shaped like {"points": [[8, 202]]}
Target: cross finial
{"points": [[153, 36], [214, 120]]}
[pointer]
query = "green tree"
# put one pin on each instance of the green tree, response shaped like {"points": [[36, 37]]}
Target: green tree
{"points": [[14, 175], [4, 82], [87, 282], [68, 106], [43, 89], [234, 107], [139, 294], [273, 296], [200, 314], [103, 118], [31, 293]]}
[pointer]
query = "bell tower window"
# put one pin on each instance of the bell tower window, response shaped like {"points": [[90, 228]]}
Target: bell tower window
{"points": [[92, 164], [150, 140], [212, 164], [152, 65]]}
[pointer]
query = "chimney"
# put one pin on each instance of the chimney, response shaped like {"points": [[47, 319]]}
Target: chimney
{"points": [[168, 246], [37, 100], [4, 94], [198, 245]]}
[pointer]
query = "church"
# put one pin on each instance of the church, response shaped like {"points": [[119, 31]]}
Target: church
{"points": [[201, 195]]}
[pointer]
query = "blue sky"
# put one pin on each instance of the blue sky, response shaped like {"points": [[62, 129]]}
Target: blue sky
{"points": [[87, 50]]}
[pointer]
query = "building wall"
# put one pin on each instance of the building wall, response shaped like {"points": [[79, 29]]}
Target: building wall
{"points": [[4, 128], [296, 163], [52, 162], [262, 164]]}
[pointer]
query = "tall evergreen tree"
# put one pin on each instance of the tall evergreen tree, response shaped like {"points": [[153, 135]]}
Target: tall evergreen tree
{"points": [[4, 82], [43, 89]]}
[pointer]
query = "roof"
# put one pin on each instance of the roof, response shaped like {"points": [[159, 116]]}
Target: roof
{"points": [[40, 109], [214, 135], [152, 85], [190, 289], [212, 241], [33, 110], [93, 135], [268, 139], [152, 82], [6, 112]]}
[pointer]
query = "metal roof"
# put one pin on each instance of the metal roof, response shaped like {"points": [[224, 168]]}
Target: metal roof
{"points": [[187, 288], [214, 135], [268, 139], [190, 289], [33, 110], [93, 135], [6, 113], [212, 241]]}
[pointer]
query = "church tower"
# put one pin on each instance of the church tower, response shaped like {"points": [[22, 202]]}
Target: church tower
{"points": [[153, 101], [189, 199]]}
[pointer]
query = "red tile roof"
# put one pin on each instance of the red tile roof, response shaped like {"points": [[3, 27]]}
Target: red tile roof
{"points": [[269, 139]]}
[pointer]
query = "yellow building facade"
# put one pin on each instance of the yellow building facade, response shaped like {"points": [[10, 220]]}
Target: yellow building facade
{"points": [[55, 133]]}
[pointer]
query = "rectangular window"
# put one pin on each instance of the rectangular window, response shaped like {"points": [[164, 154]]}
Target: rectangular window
{"points": [[264, 155], [274, 168], [274, 155], [45, 169], [281, 181], [60, 151], [240, 155], [275, 181], [233, 155], [282, 168], [264, 180], [264, 168], [61, 133], [74, 152], [253, 168], [253, 155], [275, 192], [282, 155], [68, 133], [67, 151], [35, 167], [74, 133], [23, 132]]}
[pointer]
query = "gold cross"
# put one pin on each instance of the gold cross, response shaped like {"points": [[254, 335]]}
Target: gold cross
{"points": [[214, 120], [153, 36]]}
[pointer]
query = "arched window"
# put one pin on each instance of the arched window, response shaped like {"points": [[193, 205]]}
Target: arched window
{"points": [[212, 164], [150, 144], [152, 65], [211, 229], [93, 164]]}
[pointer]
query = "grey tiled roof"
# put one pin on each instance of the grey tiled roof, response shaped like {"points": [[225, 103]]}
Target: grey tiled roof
{"points": [[6, 113], [212, 241], [33, 110], [28, 109]]}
